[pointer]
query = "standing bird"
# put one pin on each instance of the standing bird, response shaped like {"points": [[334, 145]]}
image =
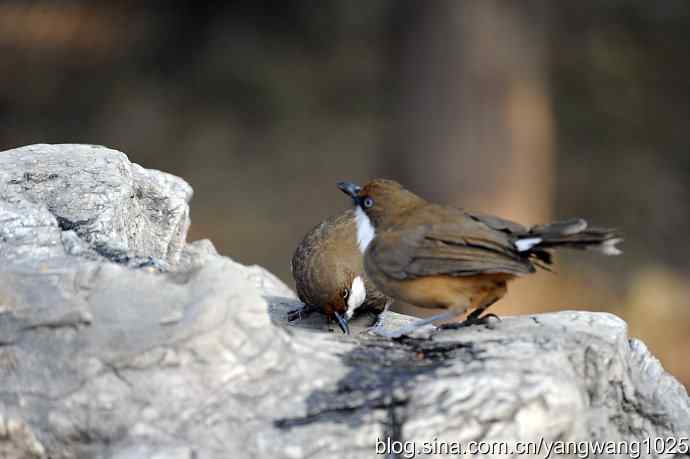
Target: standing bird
{"points": [[329, 273], [436, 256]]}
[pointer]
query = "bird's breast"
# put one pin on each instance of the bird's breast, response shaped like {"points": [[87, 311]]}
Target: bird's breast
{"points": [[440, 291]]}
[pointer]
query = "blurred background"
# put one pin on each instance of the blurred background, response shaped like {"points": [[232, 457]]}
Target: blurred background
{"points": [[532, 110]]}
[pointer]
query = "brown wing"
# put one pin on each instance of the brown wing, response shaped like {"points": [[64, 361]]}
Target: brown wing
{"points": [[456, 248], [498, 223]]}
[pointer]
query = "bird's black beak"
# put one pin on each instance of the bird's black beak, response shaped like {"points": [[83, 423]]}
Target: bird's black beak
{"points": [[342, 323], [351, 190]]}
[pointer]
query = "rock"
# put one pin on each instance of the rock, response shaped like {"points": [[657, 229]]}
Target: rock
{"points": [[190, 357], [17, 441], [120, 209]]}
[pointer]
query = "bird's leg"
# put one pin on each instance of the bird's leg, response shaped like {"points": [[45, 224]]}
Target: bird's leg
{"points": [[378, 325], [300, 313], [475, 317], [472, 319], [479, 303], [409, 328]]}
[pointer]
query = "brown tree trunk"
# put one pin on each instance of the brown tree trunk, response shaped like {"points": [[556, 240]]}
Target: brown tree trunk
{"points": [[475, 126]]}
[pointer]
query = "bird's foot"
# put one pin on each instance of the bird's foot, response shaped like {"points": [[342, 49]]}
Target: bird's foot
{"points": [[300, 313], [419, 328], [379, 325], [470, 321]]}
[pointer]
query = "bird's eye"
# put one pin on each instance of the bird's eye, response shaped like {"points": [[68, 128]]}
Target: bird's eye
{"points": [[368, 202], [345, 293]]}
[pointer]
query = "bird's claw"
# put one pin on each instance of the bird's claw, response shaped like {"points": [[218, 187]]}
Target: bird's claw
{"points": [[378, 326], [300, 313], [470, 321]]}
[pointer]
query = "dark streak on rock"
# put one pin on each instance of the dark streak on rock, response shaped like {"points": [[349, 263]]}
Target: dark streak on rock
{"points": [[393, 427], [382, 375], [66, 224], [112, 254]]}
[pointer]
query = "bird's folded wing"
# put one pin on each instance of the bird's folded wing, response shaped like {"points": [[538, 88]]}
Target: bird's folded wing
{"points": [[498, 223], [443, 250]]}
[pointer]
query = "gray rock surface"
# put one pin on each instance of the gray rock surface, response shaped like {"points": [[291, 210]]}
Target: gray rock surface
{"points": [[59, 199], [119, 340]]}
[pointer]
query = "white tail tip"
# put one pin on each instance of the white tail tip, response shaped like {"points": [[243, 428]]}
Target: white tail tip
{"points": [[608, 247], [523, 245]]}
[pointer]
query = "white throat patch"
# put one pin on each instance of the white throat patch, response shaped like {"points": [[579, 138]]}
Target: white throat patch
{"points": [[358, 293], [365, 230]]}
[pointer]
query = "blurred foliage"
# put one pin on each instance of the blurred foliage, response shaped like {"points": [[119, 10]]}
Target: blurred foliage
{"points": [[532, 109]]}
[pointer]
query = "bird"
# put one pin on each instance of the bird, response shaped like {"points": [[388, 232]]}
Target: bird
{"points": [[437, 256], [328, 269]]}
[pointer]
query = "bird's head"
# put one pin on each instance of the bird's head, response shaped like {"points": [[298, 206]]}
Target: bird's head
{"points": [[345, 300], [377, 205]]}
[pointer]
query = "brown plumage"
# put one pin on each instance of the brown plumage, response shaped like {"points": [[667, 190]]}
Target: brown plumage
{"points": [[441, 257], [325, 265]]}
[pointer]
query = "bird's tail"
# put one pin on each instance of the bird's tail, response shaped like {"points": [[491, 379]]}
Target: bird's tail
{"points": [[570, 234]]}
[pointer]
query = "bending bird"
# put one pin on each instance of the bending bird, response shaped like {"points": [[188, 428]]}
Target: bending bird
{"points": [[328, 269]]}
